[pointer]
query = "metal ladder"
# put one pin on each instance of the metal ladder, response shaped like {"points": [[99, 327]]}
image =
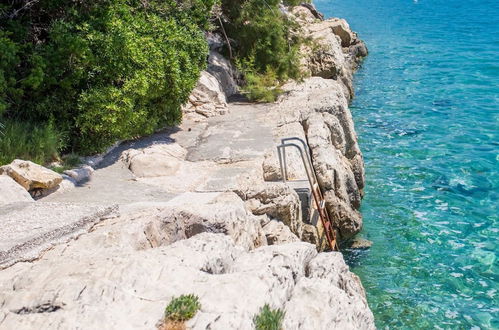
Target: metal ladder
{"points": [[320, 203]]}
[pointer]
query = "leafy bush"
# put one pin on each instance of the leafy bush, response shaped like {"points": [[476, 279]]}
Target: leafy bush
{"points": [[263, 87], [39, 143], [103, 69], [269, 319], [266, 41], [182, 308]]}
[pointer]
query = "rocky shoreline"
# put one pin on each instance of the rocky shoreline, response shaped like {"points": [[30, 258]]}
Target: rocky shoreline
{"points": [[201, 209]]}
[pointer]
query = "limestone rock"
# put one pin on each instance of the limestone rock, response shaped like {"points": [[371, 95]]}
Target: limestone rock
{"points": [[156, 160], [277, 232], [328, 276], [303, 14], [360, 243], [219, 81], [98, 280], [336, 50], [67, 184], [82, 173], [225, 73], [320, 107], [276, 200], [192, 213], [311, 8], [12, 192], [207, 98], [30, 175], [341, 28]]}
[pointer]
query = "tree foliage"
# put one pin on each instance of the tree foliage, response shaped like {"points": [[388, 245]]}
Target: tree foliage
{"points": [[266, 43], [100, 70], [263, 33]]}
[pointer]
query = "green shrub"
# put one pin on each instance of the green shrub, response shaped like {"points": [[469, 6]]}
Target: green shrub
{"points": [[262, 32], [103, 69], [38, 143], [182, 308], [266, 41], [262, 87], [269, 319]]}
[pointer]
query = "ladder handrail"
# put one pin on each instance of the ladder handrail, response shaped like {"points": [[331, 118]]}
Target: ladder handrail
{"points": [[306, 149], [282, 160], [312, 179]]}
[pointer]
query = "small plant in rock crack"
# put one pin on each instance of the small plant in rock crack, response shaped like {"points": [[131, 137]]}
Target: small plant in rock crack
{"points": [[182, 308], [269, 319]]}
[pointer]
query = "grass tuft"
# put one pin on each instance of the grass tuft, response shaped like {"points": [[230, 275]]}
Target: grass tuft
{"points": [[269, 319], [182, 308], [23, 140]]}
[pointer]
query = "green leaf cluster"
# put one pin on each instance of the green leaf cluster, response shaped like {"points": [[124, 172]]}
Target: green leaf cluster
{"points": [[269, 319], [101, 70], [182, 308], [265, 42]]}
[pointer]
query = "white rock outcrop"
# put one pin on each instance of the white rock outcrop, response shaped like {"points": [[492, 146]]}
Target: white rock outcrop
{"points": [[316, 111], [207, 98], [336, 51], [101, 281], [30, 175], [12, 192], [215, 85], [276, 200], [154, 161]]}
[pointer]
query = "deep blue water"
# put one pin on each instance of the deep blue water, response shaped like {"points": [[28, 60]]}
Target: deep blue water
{"points": [[427, 116]]}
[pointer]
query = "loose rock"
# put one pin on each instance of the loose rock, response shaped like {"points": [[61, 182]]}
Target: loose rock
{"points": [[30, 175]]}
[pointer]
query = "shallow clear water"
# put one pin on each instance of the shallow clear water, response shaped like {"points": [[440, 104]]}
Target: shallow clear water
{"points": [[427, 115]]}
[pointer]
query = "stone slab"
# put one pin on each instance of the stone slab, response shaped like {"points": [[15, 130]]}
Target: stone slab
{"points": [[30, 228]]}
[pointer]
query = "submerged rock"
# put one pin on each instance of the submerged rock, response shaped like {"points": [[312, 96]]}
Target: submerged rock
{"points": [[360, 244]]}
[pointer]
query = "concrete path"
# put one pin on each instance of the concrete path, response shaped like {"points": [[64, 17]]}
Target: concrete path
{"points": [[220, 150]]}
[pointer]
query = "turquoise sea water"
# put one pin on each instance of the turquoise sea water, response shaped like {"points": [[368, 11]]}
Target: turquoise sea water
{"points": [[427, 115]]}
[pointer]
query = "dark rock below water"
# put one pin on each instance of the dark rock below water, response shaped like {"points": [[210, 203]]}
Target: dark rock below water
{"points": [[359, 243]]}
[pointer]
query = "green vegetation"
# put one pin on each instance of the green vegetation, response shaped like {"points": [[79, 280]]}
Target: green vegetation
{"points": [[27, 141], [75, 76], [100, 70], [266, 45], [269, 319], [263, 87], [182, 308]]}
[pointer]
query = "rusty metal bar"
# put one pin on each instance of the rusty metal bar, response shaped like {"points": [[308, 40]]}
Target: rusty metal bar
{"points": [[314, 184]]}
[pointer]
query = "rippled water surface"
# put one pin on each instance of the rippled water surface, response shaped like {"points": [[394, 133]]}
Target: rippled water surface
{"points": [[427, 115]]}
